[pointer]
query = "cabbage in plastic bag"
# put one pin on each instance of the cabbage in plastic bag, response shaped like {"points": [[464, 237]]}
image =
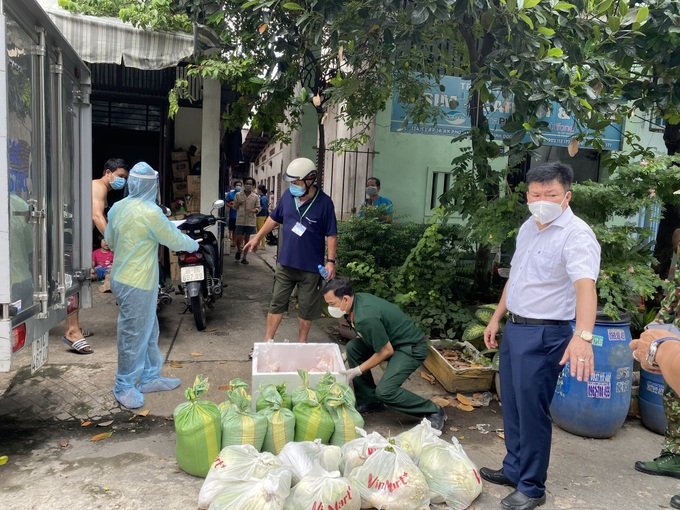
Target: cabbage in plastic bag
{"points": [[452, 477], [237, 462], [329, 490], [413, 440], [309, 458], [355, 453], [390, 480], [267, 493]]}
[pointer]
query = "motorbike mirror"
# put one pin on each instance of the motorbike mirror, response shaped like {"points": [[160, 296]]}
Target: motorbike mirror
{"points": [[166, 211], [218, 204]]}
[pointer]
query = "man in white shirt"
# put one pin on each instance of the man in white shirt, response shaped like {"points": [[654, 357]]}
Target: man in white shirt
{"points": [[552, 280]]}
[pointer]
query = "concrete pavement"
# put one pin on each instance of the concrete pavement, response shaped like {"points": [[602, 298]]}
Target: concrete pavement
{"points": [[54, 465]]}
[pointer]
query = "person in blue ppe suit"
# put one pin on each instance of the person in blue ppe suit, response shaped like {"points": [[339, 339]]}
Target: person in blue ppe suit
{"points": [[136, 227]]}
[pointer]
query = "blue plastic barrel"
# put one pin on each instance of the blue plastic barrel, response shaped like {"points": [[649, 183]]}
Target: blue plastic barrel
{"points": [[651, 401], [597, 408]]}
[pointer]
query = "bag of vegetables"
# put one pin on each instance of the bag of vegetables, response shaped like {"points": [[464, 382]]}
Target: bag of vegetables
{"points": [[452, 477], [328, 490], [240, 424], [413, 440], [339, 400], [355, 453], [310, 458], [286, 399], [234, 463], [390, 480], [312, 419], [304, 392], [266, 493], [280, 420], [198, 430]]}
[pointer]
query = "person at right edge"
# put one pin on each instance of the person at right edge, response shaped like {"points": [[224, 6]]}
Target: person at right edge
{"points": [[668, 461], [136, 227], [552, 280]]}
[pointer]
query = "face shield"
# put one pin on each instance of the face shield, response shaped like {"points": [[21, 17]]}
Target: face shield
{"points": [[142, 183]]}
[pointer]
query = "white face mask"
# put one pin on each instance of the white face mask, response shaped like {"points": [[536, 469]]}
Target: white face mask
{"points": [[336, 311], [545, 211]]}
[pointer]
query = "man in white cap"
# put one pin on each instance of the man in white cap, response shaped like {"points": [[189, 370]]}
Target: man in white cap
{"points": [[308, 218], [136, 227]]}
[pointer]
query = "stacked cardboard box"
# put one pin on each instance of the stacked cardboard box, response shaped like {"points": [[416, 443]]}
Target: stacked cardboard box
{"points": [[174, 264], [194, 192], [180, 171]]}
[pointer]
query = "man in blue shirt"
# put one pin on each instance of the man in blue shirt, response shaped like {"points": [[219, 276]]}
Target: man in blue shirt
{"points": [[229, 199], [307, 216], [382, 206], [552, 280]]}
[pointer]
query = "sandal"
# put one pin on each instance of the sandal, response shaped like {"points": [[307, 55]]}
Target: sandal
{"points": [[80, 346], [86, 333]]}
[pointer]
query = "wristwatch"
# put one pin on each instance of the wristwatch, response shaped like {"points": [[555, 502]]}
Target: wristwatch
{"points": [[653, 347], [332, 261], [585, 335]]}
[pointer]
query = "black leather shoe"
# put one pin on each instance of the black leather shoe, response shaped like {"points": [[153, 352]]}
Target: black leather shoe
{"points": [[518, 501], [376, 407], [495, 476], [437, 419], [675, 501]]}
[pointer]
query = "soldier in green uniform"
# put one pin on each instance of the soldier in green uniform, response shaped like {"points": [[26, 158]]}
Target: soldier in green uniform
{"points": [[668, 463], [384, 333]]}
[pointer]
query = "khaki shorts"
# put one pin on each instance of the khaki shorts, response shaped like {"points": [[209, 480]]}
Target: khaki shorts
{"points": [[309, 292]]}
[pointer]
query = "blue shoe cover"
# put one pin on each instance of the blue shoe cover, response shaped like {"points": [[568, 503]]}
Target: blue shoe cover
{"points": [[159, 384], [129, 397]]}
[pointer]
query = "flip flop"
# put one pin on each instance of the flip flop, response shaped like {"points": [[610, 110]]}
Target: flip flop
{"points": [[80, 346], [86, 333]]}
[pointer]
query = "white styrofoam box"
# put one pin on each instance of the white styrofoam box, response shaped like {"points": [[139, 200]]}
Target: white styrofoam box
{"points": [[275, 363]]}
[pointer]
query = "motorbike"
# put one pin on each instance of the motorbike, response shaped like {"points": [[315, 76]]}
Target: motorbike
{"points": [[201, 270]]}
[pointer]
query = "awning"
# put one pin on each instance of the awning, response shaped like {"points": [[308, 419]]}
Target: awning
{"points": [[102, 40]]}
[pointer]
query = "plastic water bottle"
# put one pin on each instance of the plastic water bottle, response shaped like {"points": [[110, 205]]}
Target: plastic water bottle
{"points": [[323, 272]]}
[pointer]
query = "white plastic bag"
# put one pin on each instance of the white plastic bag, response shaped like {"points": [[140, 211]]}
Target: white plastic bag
{"points": [[234, 463], [330, 490], [310, 458], [413, 440], [267, 493], [390, 480], [355, 452], [452, 477]]}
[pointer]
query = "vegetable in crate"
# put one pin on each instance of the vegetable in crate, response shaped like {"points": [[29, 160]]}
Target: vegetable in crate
{"points": [[234, 463], [328, 490], [198, 430], [240, 424], [286, 399], [280, 420]]}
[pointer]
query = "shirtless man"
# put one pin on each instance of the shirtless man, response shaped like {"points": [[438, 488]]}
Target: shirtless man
{"points": [[114, 176]]}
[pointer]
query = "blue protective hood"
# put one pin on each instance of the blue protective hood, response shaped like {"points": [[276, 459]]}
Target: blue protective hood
{"points": [[143, 182]]}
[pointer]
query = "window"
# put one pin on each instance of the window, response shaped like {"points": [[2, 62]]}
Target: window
{"points": [[657, 124]]}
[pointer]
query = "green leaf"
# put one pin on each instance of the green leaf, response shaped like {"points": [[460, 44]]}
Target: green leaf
{"points": [[473, 332], [484, 315], [564, 6], [555, 52], [292, 6], [642, 15], [526, 20], [546, 31], [528, 4], [604, 6], [585, 103]]}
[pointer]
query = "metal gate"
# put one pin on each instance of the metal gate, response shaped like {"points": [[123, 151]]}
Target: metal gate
{"points": [[345, 177]]}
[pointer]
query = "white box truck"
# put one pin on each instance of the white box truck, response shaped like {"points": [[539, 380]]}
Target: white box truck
{"points": [[45, 181]]}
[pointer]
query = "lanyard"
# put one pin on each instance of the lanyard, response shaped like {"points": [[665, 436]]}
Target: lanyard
{"points": [[297, 201]]}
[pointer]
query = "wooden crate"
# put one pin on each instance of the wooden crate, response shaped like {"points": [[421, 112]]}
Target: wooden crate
{"points": [[458, 379]]}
